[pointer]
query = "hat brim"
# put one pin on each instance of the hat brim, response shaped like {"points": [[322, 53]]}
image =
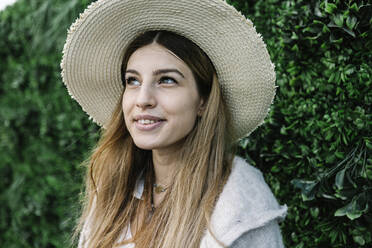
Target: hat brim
{"points": [[97, 41]]}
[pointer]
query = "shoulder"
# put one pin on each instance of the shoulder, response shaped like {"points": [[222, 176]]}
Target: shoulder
{"points": [[247, 184], [246, 203]]}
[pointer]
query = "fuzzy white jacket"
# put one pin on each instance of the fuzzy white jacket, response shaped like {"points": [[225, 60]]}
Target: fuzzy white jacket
{"points": [[246, 214]]}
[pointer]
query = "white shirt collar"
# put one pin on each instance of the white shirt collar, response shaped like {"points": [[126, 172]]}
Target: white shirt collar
{"points": [[140, 184]]}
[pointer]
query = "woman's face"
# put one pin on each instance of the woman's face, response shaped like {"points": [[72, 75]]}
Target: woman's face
{"points": [[161, 100]]}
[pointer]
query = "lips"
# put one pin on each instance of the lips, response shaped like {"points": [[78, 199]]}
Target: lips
{"points": [[147, 118], [148, 122]]}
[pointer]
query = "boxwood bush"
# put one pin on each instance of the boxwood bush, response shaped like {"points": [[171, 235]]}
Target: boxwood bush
{"points": [[43, 134], [314, 149], [318, 136]]}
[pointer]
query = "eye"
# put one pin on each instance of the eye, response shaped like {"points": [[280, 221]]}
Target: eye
{"points": [[167, 80], [132, 81]]}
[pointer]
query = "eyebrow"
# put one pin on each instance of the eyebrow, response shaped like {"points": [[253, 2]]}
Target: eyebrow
{"points": [[158, 72]]}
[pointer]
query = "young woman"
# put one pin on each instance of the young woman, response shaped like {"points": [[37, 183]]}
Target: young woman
{"points": [[172, 97]]}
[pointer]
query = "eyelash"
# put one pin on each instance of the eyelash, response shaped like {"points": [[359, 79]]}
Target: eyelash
{"points": [[130, 79], [168, 78]]}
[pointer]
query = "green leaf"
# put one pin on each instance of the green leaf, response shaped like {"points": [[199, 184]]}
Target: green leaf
{"points": [[339, 181], [318, 22], [368, 144], [354, 7], [317, 11], [330, 7], [325, 29], [351, 22], [348, 31], [359, 239], [329, 135], [314, 212], [307, 188], [338, 20], [355, 208], [243, 143], [333, 39], [342, 211], [353, 215], [275, 169]]}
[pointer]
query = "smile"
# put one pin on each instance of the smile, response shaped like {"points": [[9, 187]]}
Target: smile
{"points": [[148, 122]]}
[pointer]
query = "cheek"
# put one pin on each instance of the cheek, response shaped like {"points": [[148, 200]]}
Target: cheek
{"points": [[182, 110], [126, 106]]}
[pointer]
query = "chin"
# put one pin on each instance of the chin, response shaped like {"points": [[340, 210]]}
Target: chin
{"points": [[145, 145]]}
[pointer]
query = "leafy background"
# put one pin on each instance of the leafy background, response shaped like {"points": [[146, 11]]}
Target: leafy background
{"points": [[314, 150]]}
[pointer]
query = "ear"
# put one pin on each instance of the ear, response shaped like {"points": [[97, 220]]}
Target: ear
{"points": [[201, 107]]}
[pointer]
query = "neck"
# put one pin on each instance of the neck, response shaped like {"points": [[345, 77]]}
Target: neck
{"points": [[165, 162]]}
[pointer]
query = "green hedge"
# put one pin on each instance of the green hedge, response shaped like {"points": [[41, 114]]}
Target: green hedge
{"points": [[319, 134], [315, 149], [43, 133]]}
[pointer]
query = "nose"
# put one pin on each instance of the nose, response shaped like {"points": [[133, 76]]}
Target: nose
{"points": [[146, 97]]}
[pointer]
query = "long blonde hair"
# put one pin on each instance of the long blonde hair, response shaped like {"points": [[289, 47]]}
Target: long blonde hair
{"points": [[115, 164]]}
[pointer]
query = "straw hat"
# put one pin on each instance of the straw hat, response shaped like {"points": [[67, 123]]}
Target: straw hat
{"points": [[97, 40]]}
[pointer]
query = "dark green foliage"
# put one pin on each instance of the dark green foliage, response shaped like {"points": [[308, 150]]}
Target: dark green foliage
{"points": [[44, 136], [318, 135]]}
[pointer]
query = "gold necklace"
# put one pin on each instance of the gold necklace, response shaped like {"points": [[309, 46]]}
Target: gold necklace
{"points": [[159, 188]]}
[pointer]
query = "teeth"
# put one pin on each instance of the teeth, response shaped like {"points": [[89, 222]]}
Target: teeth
{"points": [[142, 121]]}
